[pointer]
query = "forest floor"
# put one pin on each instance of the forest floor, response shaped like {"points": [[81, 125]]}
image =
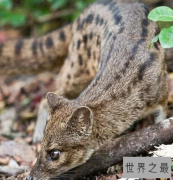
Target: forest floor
{"points": [[19, 100]]}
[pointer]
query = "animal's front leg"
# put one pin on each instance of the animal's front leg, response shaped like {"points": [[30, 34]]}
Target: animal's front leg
{"points": [[41, 121]]}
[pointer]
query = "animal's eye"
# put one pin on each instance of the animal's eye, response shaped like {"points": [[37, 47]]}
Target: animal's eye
{"points": [[54, 155]]}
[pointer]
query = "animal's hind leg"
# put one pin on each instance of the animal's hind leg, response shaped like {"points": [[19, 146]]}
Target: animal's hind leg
{"points": [[79, 68]]}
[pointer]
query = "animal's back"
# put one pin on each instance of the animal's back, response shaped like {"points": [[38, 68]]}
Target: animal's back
{"points": [[131, 78]]}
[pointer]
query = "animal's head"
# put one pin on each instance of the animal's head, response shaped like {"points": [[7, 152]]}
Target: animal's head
{"points": [[66, 142]]}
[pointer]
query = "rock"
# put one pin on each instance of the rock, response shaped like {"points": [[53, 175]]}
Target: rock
{"points": [[6, 120], [22, 150], [13, 169], [4, 160]]}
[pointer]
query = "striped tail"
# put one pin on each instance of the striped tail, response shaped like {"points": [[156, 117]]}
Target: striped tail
{"points": [[35, 54]]}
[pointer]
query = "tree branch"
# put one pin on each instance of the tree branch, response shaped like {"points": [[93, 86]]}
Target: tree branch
{"points": [[132, 144]]}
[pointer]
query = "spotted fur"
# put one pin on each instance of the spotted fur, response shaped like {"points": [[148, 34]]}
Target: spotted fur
{"points": [[109, 64]]}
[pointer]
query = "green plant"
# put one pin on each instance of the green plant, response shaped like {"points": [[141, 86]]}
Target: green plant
{"points": [[163, 15], [18, 13]]}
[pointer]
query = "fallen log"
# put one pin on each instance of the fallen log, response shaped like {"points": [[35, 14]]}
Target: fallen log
{"points": [[133, 144]]}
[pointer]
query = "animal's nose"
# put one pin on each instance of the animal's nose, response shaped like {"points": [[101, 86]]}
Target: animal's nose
{"points": [[29, 178]]}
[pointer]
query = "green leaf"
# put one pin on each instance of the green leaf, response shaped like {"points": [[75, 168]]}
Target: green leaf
{"points": [[58, 4], [172, 165], [166, 37], [162, 13], [14, 18], [6, 4], [155, 39], [80, 5]]}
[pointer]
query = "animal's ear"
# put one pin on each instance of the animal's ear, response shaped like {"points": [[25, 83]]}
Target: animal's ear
{"points": [[81, 122], [54, 101]]}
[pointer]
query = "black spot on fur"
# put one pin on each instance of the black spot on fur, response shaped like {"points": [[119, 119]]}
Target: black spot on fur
{"points": [[18, 47], [94, 55], [104, 2], [124, 70], [97, 19], [1, 47], [107, 86], [101, 21], [78, 44], [91, 35], [67, 83], [41, 47], [134, 49], [98, 40], [62, 36], [127, 64], [80, 60], [144, 27], [135, 82], [123, 95], [148, 103], [146, 65], [49, 42], [113, 96], [68, 76], [90, 18], [85, 39], [121, 30], [145, 22], [82, 23], [140, 41], [34, 47], [89, 53], [147, 89], [118, 19], [129, 90], [141, 96], [117, 77]]}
